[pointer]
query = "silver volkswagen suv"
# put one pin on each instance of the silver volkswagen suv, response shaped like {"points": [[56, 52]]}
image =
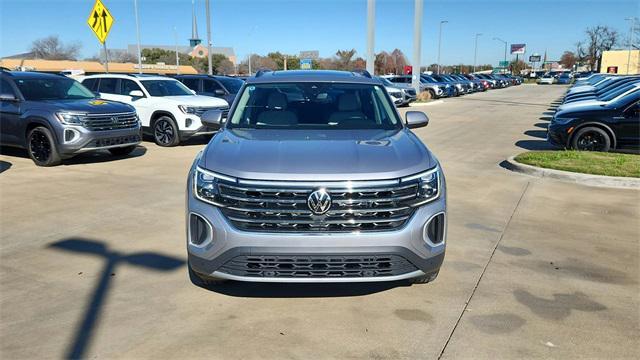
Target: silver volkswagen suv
{"points": [[314, 177]]}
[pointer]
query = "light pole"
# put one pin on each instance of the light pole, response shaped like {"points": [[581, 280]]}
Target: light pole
{"points": [[417, 44], [633, 25], [371, 18], [249, 36], [209, 37], [505, 51], [475, 53], [135, 10], [175, 39], [440, 41]]}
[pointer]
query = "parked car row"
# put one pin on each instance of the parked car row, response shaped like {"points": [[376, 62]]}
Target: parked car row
{"points": [[598, 113], [55, 117], [446, 85]]}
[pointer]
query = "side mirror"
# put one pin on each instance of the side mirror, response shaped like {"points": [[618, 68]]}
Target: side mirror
{"points": [[220, 92], [416, 119], [8, 97], [212, 118], [136, 93]]}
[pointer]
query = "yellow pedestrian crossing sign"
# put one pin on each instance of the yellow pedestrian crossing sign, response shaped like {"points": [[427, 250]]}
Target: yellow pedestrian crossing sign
{"points": [[100, 21]]}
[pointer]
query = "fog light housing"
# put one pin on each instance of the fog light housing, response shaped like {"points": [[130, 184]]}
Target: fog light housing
{"points": [[434, 230], [70, 135], [188, 122], [200, 231]]}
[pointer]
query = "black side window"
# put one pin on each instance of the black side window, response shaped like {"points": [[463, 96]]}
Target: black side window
{"points": [[210, 86], [633, 111], [90, 84], [191, 83], [5, 87], [128, 86], [108, 85]]}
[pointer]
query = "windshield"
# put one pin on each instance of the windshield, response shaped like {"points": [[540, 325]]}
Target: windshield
{"points": [[232, 85], [53, 89], [319, 105], [617, 92], [165, 88], [385, 81]]}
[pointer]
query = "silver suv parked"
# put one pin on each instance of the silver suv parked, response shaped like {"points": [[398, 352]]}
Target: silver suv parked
{"points": [[314, 177]]}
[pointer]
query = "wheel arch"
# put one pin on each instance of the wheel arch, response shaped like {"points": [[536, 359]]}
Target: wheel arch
{"points": [[159, 113], [32, 122], [606, 128]]}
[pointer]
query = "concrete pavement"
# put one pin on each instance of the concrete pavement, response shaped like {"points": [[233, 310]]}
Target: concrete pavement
{"points": [[92, 261]]}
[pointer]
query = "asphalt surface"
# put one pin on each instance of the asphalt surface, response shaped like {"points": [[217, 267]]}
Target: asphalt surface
{"points": [[92, 261]]}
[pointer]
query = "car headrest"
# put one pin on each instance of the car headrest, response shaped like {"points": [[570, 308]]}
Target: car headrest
{"points": [[348, 102], [277, 101]]}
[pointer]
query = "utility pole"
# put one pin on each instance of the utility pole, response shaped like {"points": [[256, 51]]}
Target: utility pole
{"points": [[249, 64], [633, 26], [175, 39], [439, 42], [135, 10], [371, 18], [475, 53], [209, 37], [504, 70], [417, 44]]}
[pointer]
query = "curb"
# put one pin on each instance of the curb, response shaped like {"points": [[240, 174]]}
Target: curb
{"points": [[577, 178], [414, 104]]}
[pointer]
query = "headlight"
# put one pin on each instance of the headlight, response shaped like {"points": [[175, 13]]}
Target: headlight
{"points": [[447, 86], [428, 185], [205, 186], [561, 120], [187, 109], [70, 118]]}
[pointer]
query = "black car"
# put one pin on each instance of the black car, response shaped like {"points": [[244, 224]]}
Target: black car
{"points": [[601, 90], [224, 87], [598, 127], [54, 117]]}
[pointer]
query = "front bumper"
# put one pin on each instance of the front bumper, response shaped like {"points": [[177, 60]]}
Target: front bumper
{"points": [[77, 139], [228, 246], [557, 135]]}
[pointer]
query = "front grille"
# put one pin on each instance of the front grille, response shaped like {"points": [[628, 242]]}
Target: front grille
{"points": [[202, 109], [285, 209], [315, 266], [101, 122], [113, 141]]}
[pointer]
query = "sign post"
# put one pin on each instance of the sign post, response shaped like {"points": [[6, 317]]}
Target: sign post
{"points": [[100, 21]]}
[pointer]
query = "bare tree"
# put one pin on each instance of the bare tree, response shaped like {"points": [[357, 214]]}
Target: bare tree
{"points": [[599, 39], [568, 59], [51, 48], [225, 67], [344, 58], [399, 61]]}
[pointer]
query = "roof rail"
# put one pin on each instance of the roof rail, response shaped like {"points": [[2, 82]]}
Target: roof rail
{"points": [[262, 72], [364, 73]]}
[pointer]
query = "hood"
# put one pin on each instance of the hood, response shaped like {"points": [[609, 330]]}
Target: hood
{"points": [[197, 100], [582, 88], [266, 154], [96, 106], [580, 105]]}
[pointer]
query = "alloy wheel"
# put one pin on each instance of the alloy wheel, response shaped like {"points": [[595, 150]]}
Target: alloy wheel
{"points": [[591, 141], [164, 132], [40, 146]]}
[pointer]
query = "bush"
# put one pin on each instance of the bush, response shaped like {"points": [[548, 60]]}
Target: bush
{"points": [[423, 96]]}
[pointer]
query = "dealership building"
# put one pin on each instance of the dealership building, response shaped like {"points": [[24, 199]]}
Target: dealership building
{"points": [[618, 61]]}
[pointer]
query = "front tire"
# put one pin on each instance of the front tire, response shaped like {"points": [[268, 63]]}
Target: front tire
{"points": [[122, 151], [41, 147], [165, 132], [432, 94], [591, 139]]}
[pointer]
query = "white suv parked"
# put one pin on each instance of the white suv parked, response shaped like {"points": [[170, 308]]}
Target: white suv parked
{"points": [[168, 110]]}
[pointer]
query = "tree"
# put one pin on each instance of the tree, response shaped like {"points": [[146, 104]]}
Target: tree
{"points": [[599, 39], [399, 61], [51, 48], [344, 58], [568, 59]]}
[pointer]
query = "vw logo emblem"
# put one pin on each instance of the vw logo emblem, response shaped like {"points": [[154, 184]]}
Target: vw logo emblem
{"points": [[319, 202], [114, 120]]}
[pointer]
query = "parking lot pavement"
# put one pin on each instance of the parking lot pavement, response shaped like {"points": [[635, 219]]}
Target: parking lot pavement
{"points": [[92, 257]]}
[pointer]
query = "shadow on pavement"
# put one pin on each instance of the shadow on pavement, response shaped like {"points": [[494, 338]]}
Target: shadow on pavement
{"points": [[148, 260], [535, 145], [4, 166], [282, 290], [542, 134], [541, 125], [84, 158]]}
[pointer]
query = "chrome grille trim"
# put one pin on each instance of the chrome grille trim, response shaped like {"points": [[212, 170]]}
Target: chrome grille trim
{"points": [[102, 122], [381, 206], [199, 110]]}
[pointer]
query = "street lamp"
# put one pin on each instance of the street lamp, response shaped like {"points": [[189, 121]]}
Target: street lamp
{"points": [[475, 53], [633, 25], [505, 50], [439, 42]]}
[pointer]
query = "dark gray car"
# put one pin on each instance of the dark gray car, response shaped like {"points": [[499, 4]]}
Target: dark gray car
{"points": [[55, 117], [224, 87], [315, 177]]}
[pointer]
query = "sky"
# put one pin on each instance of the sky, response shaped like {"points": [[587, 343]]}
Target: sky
{"points": [[289, 26]]}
